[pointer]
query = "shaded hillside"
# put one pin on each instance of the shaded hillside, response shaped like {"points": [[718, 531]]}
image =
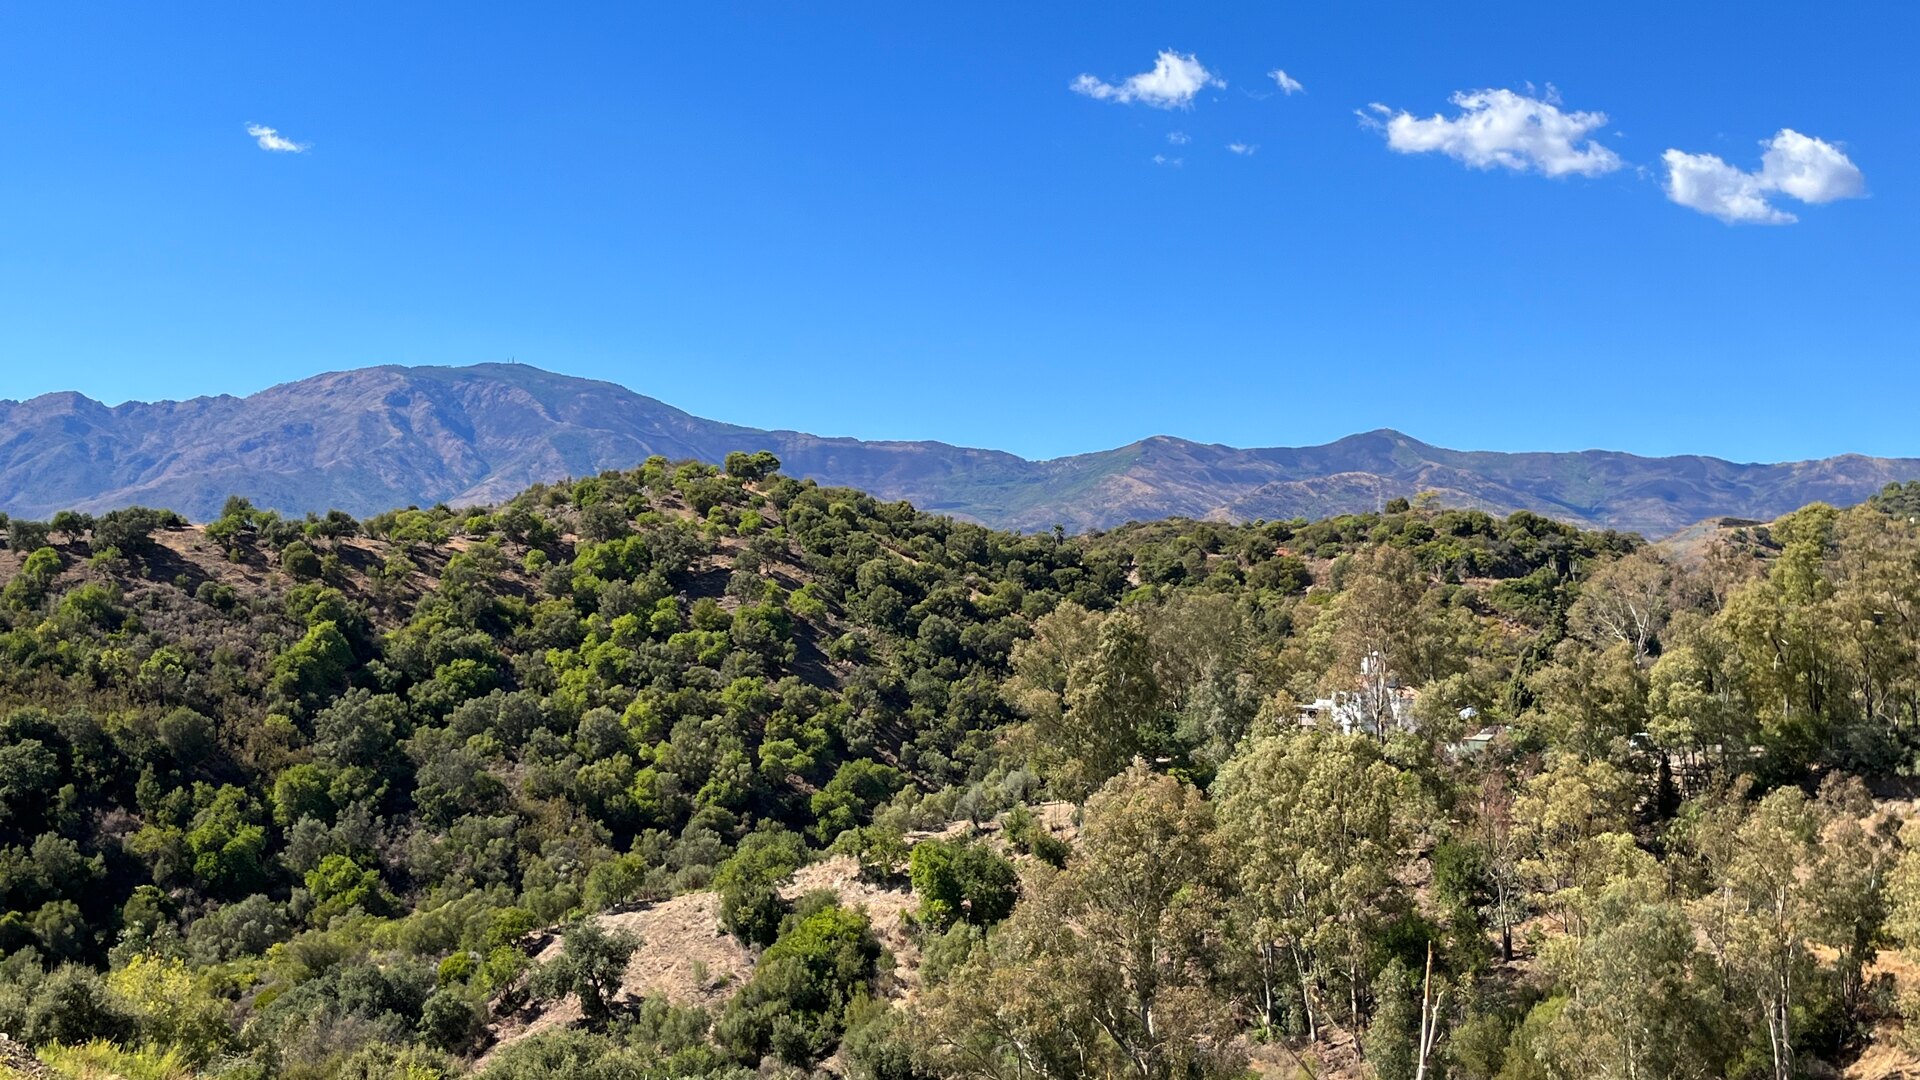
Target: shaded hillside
{"points": [[374, 438]]}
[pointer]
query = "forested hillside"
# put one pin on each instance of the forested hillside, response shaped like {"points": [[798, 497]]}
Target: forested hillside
{"points": [[333, 798]]}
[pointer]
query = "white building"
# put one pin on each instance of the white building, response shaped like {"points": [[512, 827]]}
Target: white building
{"points": [[1379, 706], [1351, 711]]}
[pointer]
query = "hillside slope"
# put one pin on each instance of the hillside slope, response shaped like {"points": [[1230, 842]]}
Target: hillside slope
{"points": [[337, 798], [374, 438]]}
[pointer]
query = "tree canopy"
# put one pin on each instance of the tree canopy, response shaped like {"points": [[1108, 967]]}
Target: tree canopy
{"points": [[1428, 788]]}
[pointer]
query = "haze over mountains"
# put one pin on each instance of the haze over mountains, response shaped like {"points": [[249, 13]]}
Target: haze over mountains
{"points": [[375, 438]]}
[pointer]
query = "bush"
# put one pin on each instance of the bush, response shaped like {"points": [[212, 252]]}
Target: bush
{"points": [[849, 798], [566, 1055], [748, 883], [131, 530], [622, 880], [797, 1002], [246, 928], [450, 1020], [298, 560], [101, 1058], [878, 1045], [386, 1061], [340, 885], [751, 467], [74, 1005], [962, 881], [173, 1007], [879, 849], [70, 523], [942, 954], [24, 535], [1028, 837]]}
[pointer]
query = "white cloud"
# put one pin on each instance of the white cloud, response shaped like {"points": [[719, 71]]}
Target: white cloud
{"points": [[1505, 129], [1809, 169], [1705, 183], [1162, 159], [1172, 84], [1286, 82], [1243, 149], [269, 139], [1795, 165], [1179, 138]]}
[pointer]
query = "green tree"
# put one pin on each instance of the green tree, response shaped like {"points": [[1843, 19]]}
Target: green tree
{"points": [[74, 1005], [298, 560], [173, 1006], [753, 467], [1316, 826], [1848, 878], [131, 530], [340, 885], [1634, 1005], [1087, 686], [70, 523], [1697, 704], [798, 1001], [1571, 826], [590, 967], [1625, 601], [1762, 913], [1387, 630], [1392, 1039], [961, 881], [751, 907], [314, 666], [850, 797], [226, 846], [25, 535], [1105, 969]]}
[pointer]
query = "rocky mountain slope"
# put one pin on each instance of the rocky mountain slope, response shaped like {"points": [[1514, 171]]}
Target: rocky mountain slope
{"points": [[373, 438]]}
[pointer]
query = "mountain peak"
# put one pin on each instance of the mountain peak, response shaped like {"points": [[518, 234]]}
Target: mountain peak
{"points": [[368, 439]]}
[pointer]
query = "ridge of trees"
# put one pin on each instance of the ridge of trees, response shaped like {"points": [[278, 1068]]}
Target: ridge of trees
{"points": [[297, 798]]}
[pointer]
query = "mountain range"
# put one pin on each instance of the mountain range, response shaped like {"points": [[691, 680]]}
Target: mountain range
{"points": [[375, 438]]}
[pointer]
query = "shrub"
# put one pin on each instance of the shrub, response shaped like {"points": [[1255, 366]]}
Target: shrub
{"points": [[74, 1005], [748, 883], [299, 560], [796, 1004], [962, 881], [1028, 837]]}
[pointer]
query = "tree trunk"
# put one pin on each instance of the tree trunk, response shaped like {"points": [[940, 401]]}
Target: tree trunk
{"points": [[1429, 1019], [1267, 974], [1306, 995]]}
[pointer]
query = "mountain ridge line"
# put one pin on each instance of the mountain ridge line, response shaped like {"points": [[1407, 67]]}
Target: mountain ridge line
{"points": [[367, 439]]}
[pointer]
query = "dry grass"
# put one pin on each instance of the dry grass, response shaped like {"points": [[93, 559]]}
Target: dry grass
{"points": [[1885, 1058], [684, 957], [18, 1063]]}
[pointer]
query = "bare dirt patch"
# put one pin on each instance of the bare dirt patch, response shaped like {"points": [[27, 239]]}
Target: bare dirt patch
{"points": [[684, 957], [687, 959]]}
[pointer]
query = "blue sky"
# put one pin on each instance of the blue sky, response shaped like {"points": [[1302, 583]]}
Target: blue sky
{"points": [[901, 221]]}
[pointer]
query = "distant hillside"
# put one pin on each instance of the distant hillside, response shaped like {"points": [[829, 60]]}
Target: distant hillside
{"points": [[369, 439]]}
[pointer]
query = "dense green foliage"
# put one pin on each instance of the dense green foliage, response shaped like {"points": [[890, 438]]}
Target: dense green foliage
{"points": [[961, 882], [314, 798]]}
